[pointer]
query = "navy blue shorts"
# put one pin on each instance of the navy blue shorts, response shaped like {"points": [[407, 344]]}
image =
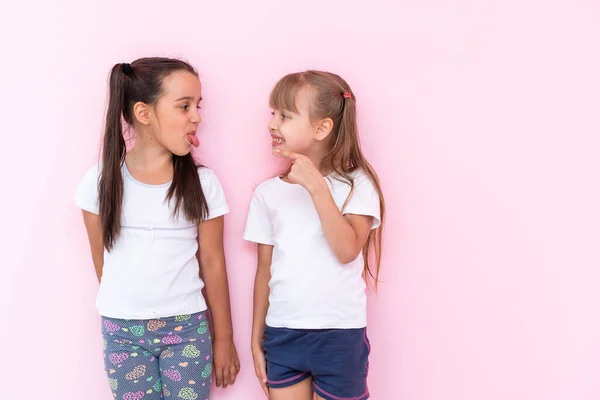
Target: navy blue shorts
{"points": [[336, 359]]}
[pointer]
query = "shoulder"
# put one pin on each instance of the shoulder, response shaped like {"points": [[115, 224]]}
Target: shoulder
{"points": [[92, 174], [206, 173], [95, 169], [208, 177], [86, 195], [357, 176], [267, 186]]}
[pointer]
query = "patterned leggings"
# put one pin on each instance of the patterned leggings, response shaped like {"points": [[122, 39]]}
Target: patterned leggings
{"points": [[157, 359]]}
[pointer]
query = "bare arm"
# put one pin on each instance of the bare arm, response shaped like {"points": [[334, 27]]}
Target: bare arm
{"points": [[261, 305], [261, 293], [93, 226], [214, 272], [212, 264], [346, 234]]}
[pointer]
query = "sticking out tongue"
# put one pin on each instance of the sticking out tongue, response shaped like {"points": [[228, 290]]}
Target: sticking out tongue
{"points": [[193, 139]]}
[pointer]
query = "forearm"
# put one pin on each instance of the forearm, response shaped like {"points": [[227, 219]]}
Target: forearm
{"points": [[93, 226], [98, 260], [339, 233], [217, 293], [261, 305]]}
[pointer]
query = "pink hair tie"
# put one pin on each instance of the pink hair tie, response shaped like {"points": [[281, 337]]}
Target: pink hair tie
{"points": [[347, 95]]}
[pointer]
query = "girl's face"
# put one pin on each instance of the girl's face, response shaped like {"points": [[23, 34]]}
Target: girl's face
{"points": [[176, 114], [294, 131]]}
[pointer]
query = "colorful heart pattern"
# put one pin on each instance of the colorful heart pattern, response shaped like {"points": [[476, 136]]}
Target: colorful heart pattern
{"points": [[171, 339], [172, 374], [187, 393], [203, 328], [190, 351], [155, 324], [166, 354], [207, 371], [118, 358], [158, 339], [134, 395], [137, 373], [137, 330], [111, 326]]}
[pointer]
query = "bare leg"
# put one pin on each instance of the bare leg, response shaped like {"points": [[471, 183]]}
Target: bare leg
{"points": [[299, 391]]}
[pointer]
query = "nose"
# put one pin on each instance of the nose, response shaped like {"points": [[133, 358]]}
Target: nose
{"points": [[273, 125], [196, 118]]}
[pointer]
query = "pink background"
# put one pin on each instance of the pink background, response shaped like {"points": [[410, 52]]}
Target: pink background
{"points": [[482, 118]]}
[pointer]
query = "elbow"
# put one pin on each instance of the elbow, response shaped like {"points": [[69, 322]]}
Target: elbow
{"points": [[212, 265], [347, 249], [347, 256]]}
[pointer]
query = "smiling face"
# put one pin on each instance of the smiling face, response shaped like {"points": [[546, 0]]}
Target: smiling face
{"points": [[294, 130]]}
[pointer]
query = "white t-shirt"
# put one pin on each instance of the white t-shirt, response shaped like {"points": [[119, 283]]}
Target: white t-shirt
{"points": [[310, 288], [152, 270]]}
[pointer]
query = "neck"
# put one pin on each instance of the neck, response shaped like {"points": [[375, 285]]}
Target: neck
{"points": [[147, 154], [316, 156]]}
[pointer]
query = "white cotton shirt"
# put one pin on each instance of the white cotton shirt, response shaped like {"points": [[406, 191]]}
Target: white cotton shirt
{"points": [[152, 270], [310, 288]]}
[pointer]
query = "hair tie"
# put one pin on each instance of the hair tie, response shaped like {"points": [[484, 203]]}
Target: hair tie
{"points": [[127, 68], [347, 95]]}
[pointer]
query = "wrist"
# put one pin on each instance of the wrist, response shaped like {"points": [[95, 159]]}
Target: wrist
{"points": [[256, 344], [224, 337], [257, 348], [318, 189]]}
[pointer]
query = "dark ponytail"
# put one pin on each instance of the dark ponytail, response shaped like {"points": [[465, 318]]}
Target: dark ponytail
{"points": [[110, 187], [141, 81], [186, 185]]}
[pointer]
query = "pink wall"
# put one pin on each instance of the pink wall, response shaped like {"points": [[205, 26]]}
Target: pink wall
{"points": [[480, 116]]}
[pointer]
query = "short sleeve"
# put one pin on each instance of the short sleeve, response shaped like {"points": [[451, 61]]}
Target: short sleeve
{"points": [[364, 200], [213, 193], [86, 196], [258, 223]]}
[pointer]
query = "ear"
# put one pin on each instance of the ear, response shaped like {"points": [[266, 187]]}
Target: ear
{"points": [[324, 128], [142, 112]]}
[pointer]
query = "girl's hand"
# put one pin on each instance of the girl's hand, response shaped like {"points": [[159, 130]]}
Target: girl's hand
{"points": [[303, 171], [260, 367], [227, 364]]}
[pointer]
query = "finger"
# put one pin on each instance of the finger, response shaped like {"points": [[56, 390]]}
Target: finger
{"points": [[263, 374], [226, 377], [265, 388], [287, 154], [233, 371], [237, 365], [219, 376], [262, 381]]}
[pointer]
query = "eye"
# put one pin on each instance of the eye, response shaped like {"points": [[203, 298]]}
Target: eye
{"points": [[198, 107], [284, 116], [185, 107]]}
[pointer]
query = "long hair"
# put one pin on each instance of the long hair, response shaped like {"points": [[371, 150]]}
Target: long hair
{"points": [[141, 81], [333, 98]]}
